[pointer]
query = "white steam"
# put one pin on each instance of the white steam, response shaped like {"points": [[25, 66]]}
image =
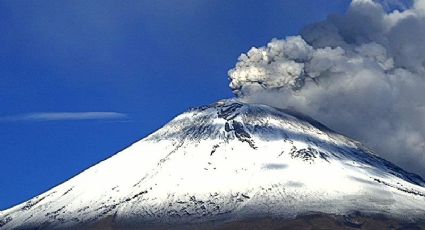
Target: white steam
{"points": [[362, 74]]}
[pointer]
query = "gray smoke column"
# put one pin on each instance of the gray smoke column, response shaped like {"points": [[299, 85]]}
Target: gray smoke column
{"points": [[361, 73]]}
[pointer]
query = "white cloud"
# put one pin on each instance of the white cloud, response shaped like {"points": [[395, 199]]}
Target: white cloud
{"points": [[361, 73], [65, 116]]}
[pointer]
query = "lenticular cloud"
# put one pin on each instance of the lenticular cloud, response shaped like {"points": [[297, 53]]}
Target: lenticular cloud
{"points": [[361, 73]]}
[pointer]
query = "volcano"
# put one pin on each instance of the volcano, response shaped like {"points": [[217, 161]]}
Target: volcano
{"points": [[228, 164]]}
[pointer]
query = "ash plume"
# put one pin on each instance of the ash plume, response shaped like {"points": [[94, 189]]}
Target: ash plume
{"points": [[361, 73]]}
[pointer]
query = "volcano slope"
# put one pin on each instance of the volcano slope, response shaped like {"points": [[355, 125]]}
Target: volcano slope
{"points": [[233, 165]]}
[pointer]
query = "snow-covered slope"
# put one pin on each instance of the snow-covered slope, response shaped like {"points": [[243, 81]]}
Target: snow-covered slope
{"points": [[228, 161]]}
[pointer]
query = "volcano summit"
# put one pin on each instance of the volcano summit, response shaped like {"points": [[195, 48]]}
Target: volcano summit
{"points": [[229, 162]]}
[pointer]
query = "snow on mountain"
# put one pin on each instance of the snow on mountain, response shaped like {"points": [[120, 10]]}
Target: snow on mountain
{"points": [[228, 161]]}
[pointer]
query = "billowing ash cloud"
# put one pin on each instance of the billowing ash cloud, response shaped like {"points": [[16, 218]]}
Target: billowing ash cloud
{"points": [[361, 73]]}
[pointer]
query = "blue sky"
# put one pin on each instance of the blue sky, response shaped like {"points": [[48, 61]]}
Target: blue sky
{"points": [[81, 80]]}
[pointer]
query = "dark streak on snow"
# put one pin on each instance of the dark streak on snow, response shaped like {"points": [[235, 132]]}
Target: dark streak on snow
{"points": [[67, 191], [308, 154], [6, 220], [214, 149], [28, 205], [411, 191]]}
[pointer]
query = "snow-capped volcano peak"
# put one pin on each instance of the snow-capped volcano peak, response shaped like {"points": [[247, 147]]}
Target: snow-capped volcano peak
{"points": [[228, 161]]}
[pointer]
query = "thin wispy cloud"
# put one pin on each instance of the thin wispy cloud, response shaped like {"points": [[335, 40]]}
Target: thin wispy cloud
{"points": [[64, 116]]}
